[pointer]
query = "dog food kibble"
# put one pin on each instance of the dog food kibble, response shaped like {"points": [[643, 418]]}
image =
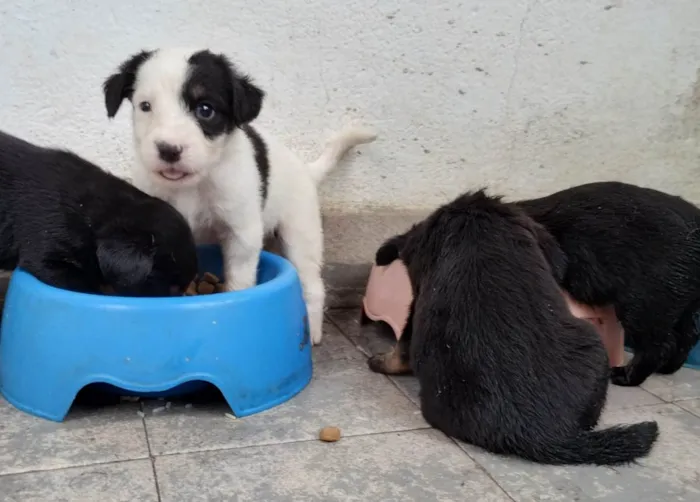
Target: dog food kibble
{"points": [[205, 288], [329, 434], [210, 278], [207, 284]]}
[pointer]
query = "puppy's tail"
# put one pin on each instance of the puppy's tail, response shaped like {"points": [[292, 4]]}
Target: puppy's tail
{"points": [[337, 146], [620, 444]]}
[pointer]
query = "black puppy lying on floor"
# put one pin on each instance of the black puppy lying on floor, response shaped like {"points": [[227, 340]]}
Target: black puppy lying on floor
{"points": [[637, 249], [501, 361], [76, 227]]}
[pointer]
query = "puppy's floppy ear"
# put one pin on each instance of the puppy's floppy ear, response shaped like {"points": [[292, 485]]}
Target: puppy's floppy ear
{"points": [[120, 85], [389, 251], [551, 250], [125, 263], [247, 100]]}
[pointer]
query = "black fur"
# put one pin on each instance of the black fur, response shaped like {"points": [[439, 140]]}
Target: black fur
{"points": [[76, 227], [215, 80], [261, 159], [639, 250], [501, 361], [120, 85]]}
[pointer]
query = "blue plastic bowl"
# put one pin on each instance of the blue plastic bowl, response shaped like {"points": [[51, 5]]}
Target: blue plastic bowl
{"points": [[693, 360], [253, 345]]}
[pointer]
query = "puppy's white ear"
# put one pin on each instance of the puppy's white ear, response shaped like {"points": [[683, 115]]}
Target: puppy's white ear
{"points": [[247, 100], [125, 264], [120, 85]]}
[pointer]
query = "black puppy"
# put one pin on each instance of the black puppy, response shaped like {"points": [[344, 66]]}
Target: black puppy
{"points": [[76, 227], [501, 361], [639, 250]]}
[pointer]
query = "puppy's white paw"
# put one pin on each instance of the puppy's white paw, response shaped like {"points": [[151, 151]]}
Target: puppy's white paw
{"points": [[316, 336], [237, 286]]}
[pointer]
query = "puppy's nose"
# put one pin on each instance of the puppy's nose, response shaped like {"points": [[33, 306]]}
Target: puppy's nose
{"points": [[169, 153]]}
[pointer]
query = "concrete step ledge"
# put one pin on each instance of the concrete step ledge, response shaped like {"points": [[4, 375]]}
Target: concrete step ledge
{"points": [[351, 239]]}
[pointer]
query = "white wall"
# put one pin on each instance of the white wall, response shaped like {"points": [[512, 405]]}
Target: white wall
{"points": [[524, 96]]}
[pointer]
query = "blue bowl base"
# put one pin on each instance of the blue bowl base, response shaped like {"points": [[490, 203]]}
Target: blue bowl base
{"points": [[63, 404]]}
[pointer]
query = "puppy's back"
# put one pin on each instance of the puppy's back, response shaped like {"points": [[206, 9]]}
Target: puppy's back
{"points": [[635, 217], [492, 331], [617, 236]]}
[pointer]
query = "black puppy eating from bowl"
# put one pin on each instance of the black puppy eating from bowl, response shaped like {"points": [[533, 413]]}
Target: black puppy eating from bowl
{"points": [[638, 250], [501, 361], [76, 227]]}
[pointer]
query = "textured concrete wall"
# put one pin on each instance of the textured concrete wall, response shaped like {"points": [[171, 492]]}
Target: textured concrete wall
{"points": [[525, 96]]}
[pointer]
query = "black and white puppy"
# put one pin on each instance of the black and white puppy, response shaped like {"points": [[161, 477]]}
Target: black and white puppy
{"points": [[76, 227], [639, 250], [501, 361], [234, 183]]}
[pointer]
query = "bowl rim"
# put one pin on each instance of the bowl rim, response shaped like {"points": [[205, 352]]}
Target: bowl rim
{"points": [[285, 276]]}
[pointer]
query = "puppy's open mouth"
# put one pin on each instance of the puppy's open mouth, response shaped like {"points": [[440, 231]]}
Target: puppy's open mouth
{"points": [[173, 174]]}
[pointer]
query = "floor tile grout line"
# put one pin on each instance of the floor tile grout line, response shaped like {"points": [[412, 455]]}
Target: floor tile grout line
{"points": [[672, 400], [393, 382], [347, 337], [285, 443], [691, 413], [653, 395], [404, 392], [151, 457], [635, 407], [77, 466], [481, 467]]}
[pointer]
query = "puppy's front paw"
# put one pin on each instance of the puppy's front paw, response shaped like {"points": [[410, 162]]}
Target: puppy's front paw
{"points": [[376, 363], [236, 285], [316, 336], [390, 363], [620, 376]]}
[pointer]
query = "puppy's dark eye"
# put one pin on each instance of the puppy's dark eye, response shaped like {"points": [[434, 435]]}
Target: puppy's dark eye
{"points": [[204, 111], [145, 106]]}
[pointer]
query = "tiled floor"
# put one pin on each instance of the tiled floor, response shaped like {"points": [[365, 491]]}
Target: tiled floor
{"points": [[184, 452]]}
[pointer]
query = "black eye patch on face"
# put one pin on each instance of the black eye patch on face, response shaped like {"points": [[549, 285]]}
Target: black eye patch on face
{"points": [[218, 96], [206, 93]]}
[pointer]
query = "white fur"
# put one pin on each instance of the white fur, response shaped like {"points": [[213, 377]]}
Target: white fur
{"points": [[221, 196]]}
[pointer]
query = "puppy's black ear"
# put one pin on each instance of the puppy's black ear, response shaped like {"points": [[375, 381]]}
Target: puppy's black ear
{"points": [[120, 85], [551, 250], [247, 100], [393, 247], [389, 251], [124, 262]]}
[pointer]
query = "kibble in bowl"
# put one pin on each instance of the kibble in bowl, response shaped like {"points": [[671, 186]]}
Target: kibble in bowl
{"points": [[206, 284]]}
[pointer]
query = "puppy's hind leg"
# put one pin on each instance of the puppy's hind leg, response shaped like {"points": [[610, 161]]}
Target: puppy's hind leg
{"points": [[301, 233]]}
